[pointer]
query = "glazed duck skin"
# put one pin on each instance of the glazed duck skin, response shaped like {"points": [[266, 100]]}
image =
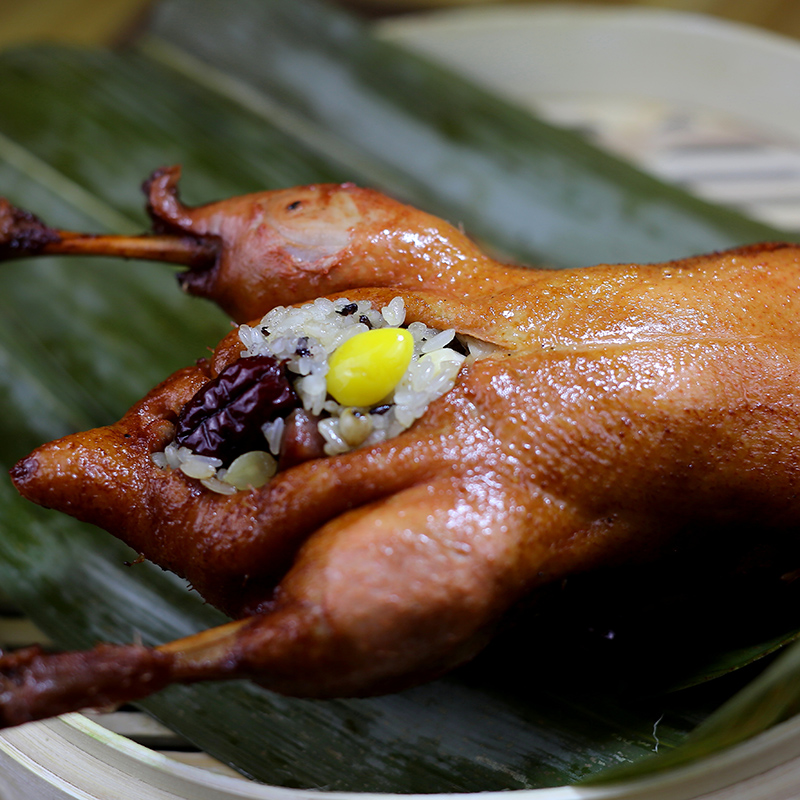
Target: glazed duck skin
{"points": [[622, 411]]}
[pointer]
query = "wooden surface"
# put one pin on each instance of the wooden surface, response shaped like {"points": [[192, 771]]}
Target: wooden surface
{"points": [[110, 21]]}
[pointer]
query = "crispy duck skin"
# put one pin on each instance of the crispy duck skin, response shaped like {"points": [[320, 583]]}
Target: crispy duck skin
{"points": [[624, 411]]}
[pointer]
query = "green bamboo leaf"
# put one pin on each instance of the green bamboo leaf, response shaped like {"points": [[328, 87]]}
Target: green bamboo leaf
{"points": [[772, 697], [415, 129], [135, 116]]}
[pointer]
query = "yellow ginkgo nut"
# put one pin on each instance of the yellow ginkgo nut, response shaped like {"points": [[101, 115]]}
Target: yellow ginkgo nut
{"points": [[253, 468], [365, 369]]}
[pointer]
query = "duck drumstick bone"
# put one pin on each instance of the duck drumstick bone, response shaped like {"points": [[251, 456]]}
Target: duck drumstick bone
{"points": [[22, 234]]}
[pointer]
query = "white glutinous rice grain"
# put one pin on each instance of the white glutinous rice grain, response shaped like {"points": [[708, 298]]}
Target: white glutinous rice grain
{"points": [[273, 433], [394, 313]]}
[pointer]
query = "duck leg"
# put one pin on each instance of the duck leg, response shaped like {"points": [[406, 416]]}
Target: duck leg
{"points": [[342, 623], [35, 685], [251, 253]]}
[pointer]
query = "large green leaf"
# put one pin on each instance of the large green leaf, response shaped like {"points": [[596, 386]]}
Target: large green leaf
{"points": [[533, 190], [237, 98], [772, 697]]}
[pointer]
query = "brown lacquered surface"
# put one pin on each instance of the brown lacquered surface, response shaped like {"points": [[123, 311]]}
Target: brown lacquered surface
{"points": [[625, 411]]}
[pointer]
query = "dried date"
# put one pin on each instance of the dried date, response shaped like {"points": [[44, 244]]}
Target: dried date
{"points": [[224, 418]]}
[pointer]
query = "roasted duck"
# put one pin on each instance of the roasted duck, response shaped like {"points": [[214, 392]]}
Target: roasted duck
{"points": [[597, 417]]}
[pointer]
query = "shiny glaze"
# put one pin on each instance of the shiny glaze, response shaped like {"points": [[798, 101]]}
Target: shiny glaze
{"points": [[624, 411]]}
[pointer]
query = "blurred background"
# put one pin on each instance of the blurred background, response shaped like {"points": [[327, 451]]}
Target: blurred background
{"points": [[715, 132], [109, 21]]}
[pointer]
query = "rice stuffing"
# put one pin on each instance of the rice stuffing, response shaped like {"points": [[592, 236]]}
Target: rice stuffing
{"points": [[304, 338]]}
